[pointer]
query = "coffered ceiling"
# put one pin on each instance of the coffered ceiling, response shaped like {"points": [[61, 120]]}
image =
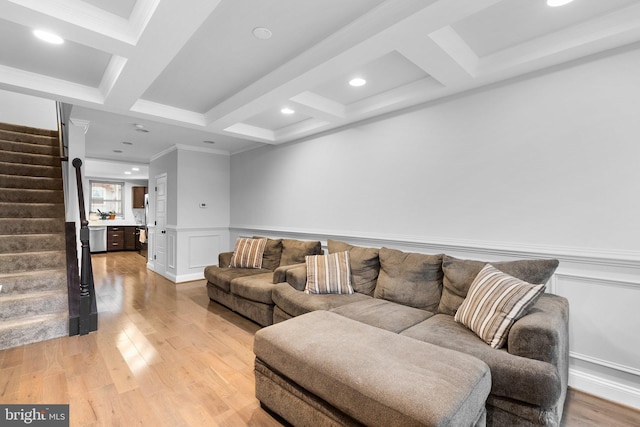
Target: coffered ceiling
{"points": [[193, 71]]}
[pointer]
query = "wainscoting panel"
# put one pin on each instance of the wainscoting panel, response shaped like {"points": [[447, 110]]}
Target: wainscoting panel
{"points": [[203, 250], [603, 289], [197, 249]]}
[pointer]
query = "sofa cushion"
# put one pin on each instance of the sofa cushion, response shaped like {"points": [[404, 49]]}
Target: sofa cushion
{"points": [[272, 253], [294, 251], [221, 277], [295, 303], [248, 253], [328, 274], [364, 262], [532, 381], [410, 278], [459, 273], [256, 287], [383, 314], [494, 302]]}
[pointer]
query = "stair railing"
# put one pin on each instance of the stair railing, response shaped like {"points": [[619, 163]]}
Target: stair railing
{"points": [[88, 321]]}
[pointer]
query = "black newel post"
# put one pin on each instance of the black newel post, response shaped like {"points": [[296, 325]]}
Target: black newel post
{"points": [[86, 268]]}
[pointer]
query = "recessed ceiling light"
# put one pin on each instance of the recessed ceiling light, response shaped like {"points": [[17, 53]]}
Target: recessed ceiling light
{"points": [[358, 81], [135, 169], [140, 128], [48, 37], [262, 33], [127, 172], [117, 151], [126, 143], [556, 3], [287, 110], [209, 142]]}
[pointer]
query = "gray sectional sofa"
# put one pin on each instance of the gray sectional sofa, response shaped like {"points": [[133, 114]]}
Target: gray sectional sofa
{"points": [[404, 303]]}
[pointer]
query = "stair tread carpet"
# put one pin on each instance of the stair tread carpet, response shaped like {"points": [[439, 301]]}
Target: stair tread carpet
{"points": [[30, 170], [38, 280], [34, 302]]}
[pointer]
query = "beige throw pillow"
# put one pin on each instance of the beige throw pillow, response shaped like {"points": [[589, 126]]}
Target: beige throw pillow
{"points": [[328, 274], [248, 253], [494, 302]]}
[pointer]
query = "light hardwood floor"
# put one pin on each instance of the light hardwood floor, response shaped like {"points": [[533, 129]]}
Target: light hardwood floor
{"points": [[165, 356]]}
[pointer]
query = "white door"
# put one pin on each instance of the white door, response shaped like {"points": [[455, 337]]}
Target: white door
{"points": [[161, 223]]}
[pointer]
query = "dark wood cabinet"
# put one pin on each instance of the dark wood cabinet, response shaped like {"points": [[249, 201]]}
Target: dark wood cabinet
{"points": [[137, 195], [129, 238], [115, 238], [121, 238]]}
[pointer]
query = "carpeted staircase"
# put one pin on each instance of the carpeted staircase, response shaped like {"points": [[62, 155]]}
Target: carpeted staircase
{"points": [[33, 274]]}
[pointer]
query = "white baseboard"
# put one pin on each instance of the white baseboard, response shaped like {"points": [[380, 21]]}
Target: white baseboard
{"points": [[610, 390]]}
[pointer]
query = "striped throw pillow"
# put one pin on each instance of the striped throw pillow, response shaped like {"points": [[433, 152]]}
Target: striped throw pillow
{"points": [[248, 253], [328, 274], [494, 302]]}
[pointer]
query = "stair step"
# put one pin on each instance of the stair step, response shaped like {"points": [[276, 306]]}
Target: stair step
{"points": [[25, 147], [19, 226], [31, 210], [14, 306], [33, 281], [28, 138], [31, 261], [20, 243], [31, 182], [33, 329], [8, 127], [30, 170], [31, 195], [29, 159]]}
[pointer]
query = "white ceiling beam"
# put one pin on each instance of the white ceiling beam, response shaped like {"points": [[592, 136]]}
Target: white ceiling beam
{"points": [[355, 44], [157, 47], [605, 32], [253, 132], [286, 78], [47, 87], [318, 106], [153, 110], [304, 127]]}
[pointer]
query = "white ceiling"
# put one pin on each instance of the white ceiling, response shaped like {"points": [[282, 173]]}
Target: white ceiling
{"points": [[193, 72]]}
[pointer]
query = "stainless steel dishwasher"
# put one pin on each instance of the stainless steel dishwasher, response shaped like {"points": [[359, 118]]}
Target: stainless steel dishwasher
{"points": [[98, 238]]}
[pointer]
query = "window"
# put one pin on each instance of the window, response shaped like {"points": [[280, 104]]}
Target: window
{"points": [[107, 197]]}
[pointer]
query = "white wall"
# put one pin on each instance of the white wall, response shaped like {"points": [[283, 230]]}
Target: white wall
{"points": [[542, 166], [194, 235], [27, 110]]}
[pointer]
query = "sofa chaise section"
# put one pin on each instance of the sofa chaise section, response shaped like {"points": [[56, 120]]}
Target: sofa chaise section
{"points": [[338, 371]]}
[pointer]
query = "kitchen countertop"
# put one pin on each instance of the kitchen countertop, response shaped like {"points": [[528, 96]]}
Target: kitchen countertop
{"points": [[114, 223]]}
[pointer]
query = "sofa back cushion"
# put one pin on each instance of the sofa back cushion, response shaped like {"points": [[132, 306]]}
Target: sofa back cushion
{"points": [[272, 253], [410, 278], [459, 274], [295, 251], [364, 263]]}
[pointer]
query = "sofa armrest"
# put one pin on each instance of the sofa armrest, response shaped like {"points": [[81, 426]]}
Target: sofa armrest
{"points": [[224, 259], [543, 334], [280, 273], [297, 277]]}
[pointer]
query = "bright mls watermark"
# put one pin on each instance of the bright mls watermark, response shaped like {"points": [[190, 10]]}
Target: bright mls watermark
{"points": [[34, 415]]}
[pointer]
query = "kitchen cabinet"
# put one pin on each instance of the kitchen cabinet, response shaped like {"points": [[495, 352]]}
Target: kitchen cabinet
{"points": [[115, 238], [121, 238], [137, 196], [130, 238]]}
